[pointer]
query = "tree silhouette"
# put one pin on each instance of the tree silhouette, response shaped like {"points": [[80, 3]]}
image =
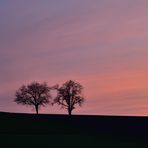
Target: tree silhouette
{"points": [[69, 95], [34, 94]]}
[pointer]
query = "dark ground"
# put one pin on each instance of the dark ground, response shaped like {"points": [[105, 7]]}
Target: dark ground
{"points": [[29, 131]]}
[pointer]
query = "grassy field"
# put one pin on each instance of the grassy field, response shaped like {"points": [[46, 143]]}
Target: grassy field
{"points": [[28, 131]]}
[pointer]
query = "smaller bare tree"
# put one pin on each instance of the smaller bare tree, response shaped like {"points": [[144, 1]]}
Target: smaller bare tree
{"points": [[34, 94], [69, 95]]}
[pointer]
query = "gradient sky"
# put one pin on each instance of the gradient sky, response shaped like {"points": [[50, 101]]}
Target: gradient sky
{"points": [[103, 44]]}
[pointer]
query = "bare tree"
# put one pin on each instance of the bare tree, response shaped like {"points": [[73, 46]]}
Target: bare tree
{"points": [[34, 94], [69, 95]]}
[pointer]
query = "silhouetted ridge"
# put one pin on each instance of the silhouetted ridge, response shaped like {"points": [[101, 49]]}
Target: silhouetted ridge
{"points": [[76, 124]]}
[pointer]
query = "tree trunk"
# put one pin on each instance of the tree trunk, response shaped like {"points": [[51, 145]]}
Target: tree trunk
{"points": [[69, 112], [37, 109]]}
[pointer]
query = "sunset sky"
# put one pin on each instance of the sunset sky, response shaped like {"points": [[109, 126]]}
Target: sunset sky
{"points": [[103, 44]]}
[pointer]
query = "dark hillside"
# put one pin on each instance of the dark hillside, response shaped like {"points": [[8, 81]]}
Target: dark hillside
{"points": [[117, 126]]}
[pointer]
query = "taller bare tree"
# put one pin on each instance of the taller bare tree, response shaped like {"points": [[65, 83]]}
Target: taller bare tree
{"points": [[34, 94], [69, 95]]}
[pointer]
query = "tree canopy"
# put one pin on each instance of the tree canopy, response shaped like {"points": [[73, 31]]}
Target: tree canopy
{"points": [[34, 94], [69, 95]]}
